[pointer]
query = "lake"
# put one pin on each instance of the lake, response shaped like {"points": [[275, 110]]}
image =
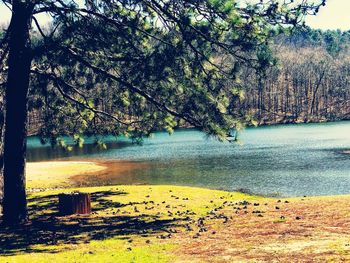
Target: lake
{"points": [[282, 160]]}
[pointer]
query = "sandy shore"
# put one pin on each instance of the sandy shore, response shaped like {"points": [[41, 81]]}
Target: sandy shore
{"points": [[55, 174], [58, 173]]}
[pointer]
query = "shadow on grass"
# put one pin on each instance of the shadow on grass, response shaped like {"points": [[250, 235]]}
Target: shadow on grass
{"points": [[47, 228]]}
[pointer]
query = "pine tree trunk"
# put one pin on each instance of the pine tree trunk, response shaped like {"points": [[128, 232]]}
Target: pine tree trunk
{"points": [[2, 129], [14, 201]]}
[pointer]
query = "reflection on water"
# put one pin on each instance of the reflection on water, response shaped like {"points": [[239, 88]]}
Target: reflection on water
{"points": [[37, 152], [291, 160]]}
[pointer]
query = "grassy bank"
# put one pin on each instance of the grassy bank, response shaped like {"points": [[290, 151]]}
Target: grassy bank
{"points": [[177, 224], [129, 224]]}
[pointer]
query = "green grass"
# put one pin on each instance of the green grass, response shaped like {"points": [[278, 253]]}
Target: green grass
{"points": [[110, 250], [128, 224]]}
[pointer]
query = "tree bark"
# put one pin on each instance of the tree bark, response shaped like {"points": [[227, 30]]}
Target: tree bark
{"points": [[74, 203], [2, 129], [16, 96]]}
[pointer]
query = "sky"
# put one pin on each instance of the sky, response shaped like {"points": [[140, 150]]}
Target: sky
{"points": [[335, 15]]}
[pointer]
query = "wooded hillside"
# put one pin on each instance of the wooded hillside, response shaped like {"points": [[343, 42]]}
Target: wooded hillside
{"points": [[308, 83], [306, 79]]}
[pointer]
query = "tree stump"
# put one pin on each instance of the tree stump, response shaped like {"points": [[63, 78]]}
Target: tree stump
{"points": [[74, 203]]}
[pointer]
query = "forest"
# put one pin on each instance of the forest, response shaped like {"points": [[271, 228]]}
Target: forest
{"points": [[304, 78], [308, 81]]}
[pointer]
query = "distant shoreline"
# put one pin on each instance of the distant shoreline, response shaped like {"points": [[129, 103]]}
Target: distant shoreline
{"points": [[265, 124]]}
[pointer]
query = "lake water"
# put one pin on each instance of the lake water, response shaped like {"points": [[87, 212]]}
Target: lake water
{"points": [[285, 160]]}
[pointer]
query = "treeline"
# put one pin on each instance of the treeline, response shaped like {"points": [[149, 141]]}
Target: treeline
{"points": [[309, 81], [306, 78]]}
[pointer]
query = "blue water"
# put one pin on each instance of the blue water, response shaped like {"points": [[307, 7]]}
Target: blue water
{"points": [[285, 160]]}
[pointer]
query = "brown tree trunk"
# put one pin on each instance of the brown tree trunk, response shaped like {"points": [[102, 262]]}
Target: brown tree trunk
{"points": [[14, 201], [2, 129], [260, 97], [75, 203]]}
